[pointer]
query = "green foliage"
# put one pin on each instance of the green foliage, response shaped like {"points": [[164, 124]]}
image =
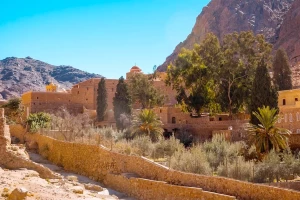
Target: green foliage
{"points": [[263, 93], [143, 92], [220, 151], [241, 54], [147, 123], [237, 168], [101, 100], [214, 73], [37, 121], [166, 148], [14, 110], [282, 71], [143, 144], [266, 135], [192, 80], [277, 166], [121, 102], [193, 160]]}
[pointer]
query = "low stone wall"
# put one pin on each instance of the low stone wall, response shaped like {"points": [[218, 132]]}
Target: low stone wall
{"points": [[149, 190], [98, 163], [18, 131]]}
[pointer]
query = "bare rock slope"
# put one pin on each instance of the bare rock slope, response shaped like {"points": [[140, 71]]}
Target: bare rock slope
{"points": [[18, 75], [226, 16]]}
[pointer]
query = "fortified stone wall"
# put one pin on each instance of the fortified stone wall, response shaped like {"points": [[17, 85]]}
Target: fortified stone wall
{"points": [[98, 162]]}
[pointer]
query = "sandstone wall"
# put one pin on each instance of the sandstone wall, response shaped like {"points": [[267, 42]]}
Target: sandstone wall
{"points": [[149, 190], [98, 163]]}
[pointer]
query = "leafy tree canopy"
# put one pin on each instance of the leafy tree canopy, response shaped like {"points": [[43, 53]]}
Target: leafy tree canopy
{"points": [[142, 91]]}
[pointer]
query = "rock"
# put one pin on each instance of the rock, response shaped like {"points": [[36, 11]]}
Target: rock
{"points": [[32, 145], [18, 194], [92, 187], [226, 16], [77, 190], [72, 178]]}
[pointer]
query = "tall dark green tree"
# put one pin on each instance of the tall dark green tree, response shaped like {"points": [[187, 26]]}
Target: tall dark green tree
{"points": [[263, 92], [101, 100], [282, 71], [121, 102]]}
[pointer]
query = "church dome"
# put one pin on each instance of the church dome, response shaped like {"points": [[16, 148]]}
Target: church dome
{"points": [[135, 69]]}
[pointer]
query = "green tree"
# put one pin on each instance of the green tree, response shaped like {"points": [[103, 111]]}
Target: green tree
{"points": [[282, 71], [121, 102], [266, 135], [147, 123], [241, 54], [36, 121], [101, 100], [263, 93], [143, 91], [190, 77]]}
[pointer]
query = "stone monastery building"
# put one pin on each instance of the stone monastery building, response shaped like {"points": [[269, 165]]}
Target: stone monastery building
{"points": [[82, 98]]}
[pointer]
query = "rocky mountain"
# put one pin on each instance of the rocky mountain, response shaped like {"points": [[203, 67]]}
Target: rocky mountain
{"points": [[271, 18], [18, 75]]}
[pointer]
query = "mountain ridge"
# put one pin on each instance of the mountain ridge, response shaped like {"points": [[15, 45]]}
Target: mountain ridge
{"points": [[19, 75], [222, 17]]}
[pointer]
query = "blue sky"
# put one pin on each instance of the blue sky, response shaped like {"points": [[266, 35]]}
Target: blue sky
{"points": [[106, 37]]}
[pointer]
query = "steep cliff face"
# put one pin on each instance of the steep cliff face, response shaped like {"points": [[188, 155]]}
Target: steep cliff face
{"points": [[18, 75], [226, 16], [289, 33]]}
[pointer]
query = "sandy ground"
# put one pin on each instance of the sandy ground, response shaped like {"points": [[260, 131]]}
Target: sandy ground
{"points": [[54, 189]]}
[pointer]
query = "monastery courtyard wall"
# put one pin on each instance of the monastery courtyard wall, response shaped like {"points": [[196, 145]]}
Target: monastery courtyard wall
{"points": [[154, 180]]}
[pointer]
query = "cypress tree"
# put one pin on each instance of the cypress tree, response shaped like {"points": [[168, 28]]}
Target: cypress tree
{"points": [[282, 71], [263, 92], [101, 100], [121, 102]]}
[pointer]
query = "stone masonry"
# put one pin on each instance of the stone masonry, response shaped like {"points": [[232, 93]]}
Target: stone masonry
{"points": [[14, 157]]}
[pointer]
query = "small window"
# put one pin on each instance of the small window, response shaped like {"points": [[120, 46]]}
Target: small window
{"points": [[87, 88], [173, 120], [296, 99], [86, 99], [160, 110], [33, 103], [77, 92], [40, 104], [37, 97], [298, 131], [220, 118], [283, 102]]}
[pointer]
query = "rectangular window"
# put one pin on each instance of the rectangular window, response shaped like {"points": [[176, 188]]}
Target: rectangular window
{"points": [[283, 102], [296, 99]]}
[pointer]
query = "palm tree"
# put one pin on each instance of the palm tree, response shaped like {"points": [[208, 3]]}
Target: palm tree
{"points": [[266, 135], [147, 123]]}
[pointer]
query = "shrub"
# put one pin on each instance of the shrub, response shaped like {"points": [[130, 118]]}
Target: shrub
{"points": [[143, 144], [167, 147], [193, 160], [37, 121]]}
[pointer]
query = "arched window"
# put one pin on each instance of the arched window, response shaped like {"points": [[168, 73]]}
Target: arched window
{"points": [[291, 117], [173, 120], [285, 118]]}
